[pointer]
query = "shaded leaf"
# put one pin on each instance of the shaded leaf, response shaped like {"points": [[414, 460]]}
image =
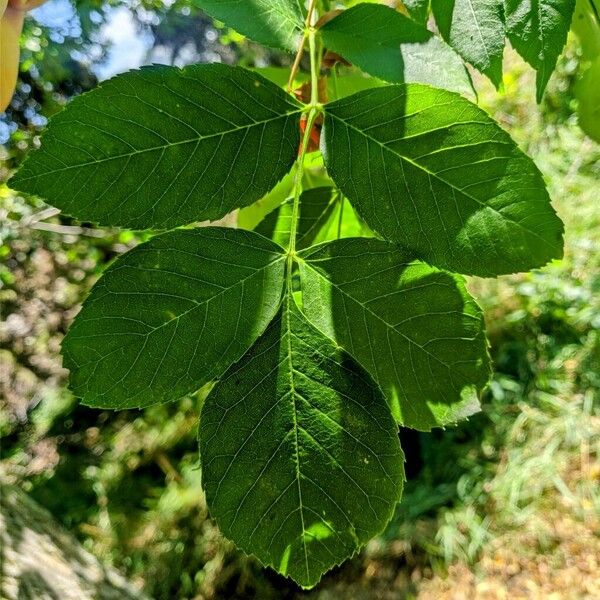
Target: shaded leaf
{"points": [[274, 23], [428, 169], [171, 315], [162, 147], [413, 327], [389, 45], [538, 31], [316, 207], [301, 462], [475, 29]]}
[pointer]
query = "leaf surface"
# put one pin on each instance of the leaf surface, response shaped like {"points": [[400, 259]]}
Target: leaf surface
{"points": [[316, 207], [162, 147], [173, 314], [417, 9], [538, 31], [414, 328], [428, 169], [389, 45], [475, 29], [274, 23], [301, 462]]}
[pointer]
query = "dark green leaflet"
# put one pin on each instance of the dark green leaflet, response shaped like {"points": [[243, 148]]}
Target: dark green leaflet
{"points": [[414, 328], [171, 315], [162, 147], [430, 170], [538, 31], [301, 462]]}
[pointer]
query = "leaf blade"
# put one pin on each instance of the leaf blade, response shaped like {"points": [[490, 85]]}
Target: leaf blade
{"points": [[274, 23], [389, 45], [171, 315], [316, 208], [414, 328], [283, 436], [476, 31], [163, 147], [538, 31], [448, 184]]}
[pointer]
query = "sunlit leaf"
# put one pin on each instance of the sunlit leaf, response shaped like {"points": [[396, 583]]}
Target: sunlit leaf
{"points": [[475, 29], [428, 169], [162, 147], [301, 462], [413, 327], [389, 45], [275, 23], [171, 315]]}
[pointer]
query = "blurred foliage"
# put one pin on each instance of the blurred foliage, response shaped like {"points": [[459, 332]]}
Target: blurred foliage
{"points": [[523, 474]]}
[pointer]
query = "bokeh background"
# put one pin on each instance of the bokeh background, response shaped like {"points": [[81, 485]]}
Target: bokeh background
{"points": [[506, 505]]}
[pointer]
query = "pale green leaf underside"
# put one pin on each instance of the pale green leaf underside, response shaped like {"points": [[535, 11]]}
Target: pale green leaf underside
{"points": [[413, 327], [417, 9], [274, 23], [538, 31], [389, 45], [475, 29], [171, 315], [428, 169], [162, 147], [301, 462]]}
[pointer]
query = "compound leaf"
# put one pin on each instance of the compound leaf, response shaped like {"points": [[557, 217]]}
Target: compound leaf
{"points": [[173, 314], [428, 169], [274, 23], [301, 462], [538, 31], [475, 29], [389, 45], [162, 147], [414, 328]]}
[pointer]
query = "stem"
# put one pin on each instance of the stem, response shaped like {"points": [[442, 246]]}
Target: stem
{"points": [[313, 113], [310, 121], [341, 216], [305, 36]]}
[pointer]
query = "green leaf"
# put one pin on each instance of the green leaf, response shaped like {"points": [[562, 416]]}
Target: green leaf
{"points": [[538, 31], [162, 147], [588, 93], [250, 216], [414, 328], [428, 169], [173, 314], [301, 462], [274, 23], [586, 25], [316, 207], [389, 45], [417, 9], [475, 29]]}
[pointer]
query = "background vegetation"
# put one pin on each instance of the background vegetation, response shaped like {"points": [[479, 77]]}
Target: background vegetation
{"points": [[505, 505]]}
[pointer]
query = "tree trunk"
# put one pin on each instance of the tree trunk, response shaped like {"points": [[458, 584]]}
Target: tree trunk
{"points": [[41, 561]]}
